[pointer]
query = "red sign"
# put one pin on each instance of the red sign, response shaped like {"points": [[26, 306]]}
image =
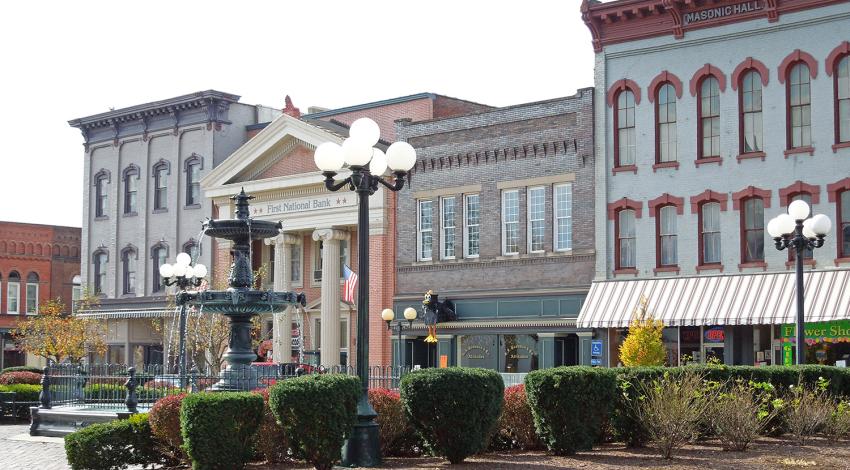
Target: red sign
{"points": [[715, 334]]}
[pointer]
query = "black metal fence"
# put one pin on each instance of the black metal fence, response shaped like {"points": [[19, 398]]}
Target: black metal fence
{"points": [[120, 387]]}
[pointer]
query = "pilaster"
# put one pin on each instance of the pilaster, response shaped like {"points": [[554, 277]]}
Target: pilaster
{"points": [[330, 338], [282, 321]]}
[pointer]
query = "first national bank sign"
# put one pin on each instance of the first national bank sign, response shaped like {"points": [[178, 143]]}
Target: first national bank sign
{"points": [[304, 204], [716, 13]]}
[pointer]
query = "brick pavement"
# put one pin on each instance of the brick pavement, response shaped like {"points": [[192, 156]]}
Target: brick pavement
{"points": [[43, 454]]}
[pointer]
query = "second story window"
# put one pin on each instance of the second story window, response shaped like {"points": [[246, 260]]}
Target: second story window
{"points": [[665, 126], [472, 225], [101, 195], [625, 143], [536, 219], [625, 239], [751, 117], [563, 197], [425, 230], [844, 224], [842, 99], [709, 118], [128, 261], [13, 293], [510, 222], [447, 241], [131, 190], [799, 107], [100, 260], [667, 236], [159, 255], [193, 181], [160, 187], [752, 224], [32, 293], [710, 233]]}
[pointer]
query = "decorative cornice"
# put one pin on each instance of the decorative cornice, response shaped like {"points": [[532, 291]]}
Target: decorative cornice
{"points": [[494, 263], [622, 85], [748, 192], [625, 203], [661, 78], [708, 196], [529, 150], [705, 71], [667, 200], [837, 187], [750, 64], [839, 52], [793, 58], [796, 188]]}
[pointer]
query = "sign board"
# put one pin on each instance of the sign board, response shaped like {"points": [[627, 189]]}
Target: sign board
{"points": [[444, 361], [304, 204], [719, 12], [715, 334], [595, 361], [596, 348]]}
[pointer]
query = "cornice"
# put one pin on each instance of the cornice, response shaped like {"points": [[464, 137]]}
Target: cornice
{"points": [[481, 157], [496, 263]]}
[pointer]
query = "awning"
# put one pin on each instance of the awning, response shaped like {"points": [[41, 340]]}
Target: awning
{"points": [[502, 324], [128, 313], [731, 299]]}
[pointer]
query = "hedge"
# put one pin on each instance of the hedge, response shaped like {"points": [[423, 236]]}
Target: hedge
{"points": [[20, 377], [516, 424], [317, 412], [23, 392], [164, 418], [114, 445], [218, 428], [37, 370], [398, 437], [455, 410], [116, 391], [270, 441], [570, 405]]}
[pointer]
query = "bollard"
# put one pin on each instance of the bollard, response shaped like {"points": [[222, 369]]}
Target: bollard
{"points": [[131, 385], [44, 397]]}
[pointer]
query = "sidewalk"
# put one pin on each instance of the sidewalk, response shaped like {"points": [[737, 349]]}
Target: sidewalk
{"points": [[22, 452]]}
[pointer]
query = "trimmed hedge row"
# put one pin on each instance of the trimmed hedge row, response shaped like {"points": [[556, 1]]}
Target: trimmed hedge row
{"points": [[37, 370], [23, 392], [218, 428], [114, 445]]}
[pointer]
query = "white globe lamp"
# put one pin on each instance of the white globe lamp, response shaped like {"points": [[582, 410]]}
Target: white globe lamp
{"points": [[378, 165], [356, 151], [821, 224], [200, 271], [166, 271], [401, 156], [798, 209], [410, 314], [365, 129], [328, 157], [184, 259]]}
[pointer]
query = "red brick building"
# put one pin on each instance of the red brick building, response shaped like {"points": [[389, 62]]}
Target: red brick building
{"points": [[37, 263]]}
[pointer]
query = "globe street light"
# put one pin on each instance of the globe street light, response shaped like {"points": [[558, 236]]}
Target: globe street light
{"points": [[794, 231], [183, 275], [388, 316], [367, 165]]}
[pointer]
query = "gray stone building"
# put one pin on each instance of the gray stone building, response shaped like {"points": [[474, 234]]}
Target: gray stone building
{"points": [[499, 221], [143, 205]]}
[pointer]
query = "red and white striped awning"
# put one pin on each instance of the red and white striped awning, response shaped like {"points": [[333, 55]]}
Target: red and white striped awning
{"points": [[731, 299]]}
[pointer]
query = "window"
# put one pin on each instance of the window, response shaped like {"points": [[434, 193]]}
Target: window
{"points": [[32, 293], [510, 222], [472, 225], [193, 181], [425, 235], [751, 118], [624, 121], [160, 187], [844, 224], [807, 253], [842, 98], [536, 219], [131, 189], [665, 125], [192, 249], [710, 233], [13, 293], [667, 249], [76, 293], [317, 259], [753, 228], [128, 260], [101, 195], [709, 118], [295, 253], [625, 235], [159, 255], [447, 241], [799, 107], [343, 257], [563, 217], [100, 260]]}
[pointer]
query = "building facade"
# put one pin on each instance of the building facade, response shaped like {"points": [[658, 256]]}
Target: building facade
{"points": [[38, 263], [319, 227], [712, 118], [499, 221], [143, 205]]}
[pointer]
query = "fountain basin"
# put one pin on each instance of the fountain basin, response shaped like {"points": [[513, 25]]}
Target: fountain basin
{"points": [[239, 229], [246, 302]]}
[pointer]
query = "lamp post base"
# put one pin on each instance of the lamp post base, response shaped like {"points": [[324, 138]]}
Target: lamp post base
{"points": [[363, 447]]}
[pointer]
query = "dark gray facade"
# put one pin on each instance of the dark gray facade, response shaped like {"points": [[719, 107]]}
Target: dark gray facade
{"points": [[526, 172]]}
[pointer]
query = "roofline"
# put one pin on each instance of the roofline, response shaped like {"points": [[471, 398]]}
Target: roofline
{"points": [[177, 100], [37, 224], [374, 104]]}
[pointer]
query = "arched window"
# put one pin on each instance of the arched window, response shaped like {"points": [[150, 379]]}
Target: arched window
{"points": [[750, 105], [624, 122], [13, 293], [842, 100], [101, 181], [708, 111], [665, 124], [99, 259], [159, 255], [709, 236], [32, 293], [128, 262], [193, 168], [191, 247], [131, 189], [799, 106], [752, 230], [160, 183], [844, 224], [624, 229]]}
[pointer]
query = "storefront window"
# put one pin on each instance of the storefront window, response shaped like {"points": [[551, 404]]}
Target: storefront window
{"points": [[115, 354], [518, 353], [478, 351], [714, 338], [827, 343], [690, 345], [670, 336]]}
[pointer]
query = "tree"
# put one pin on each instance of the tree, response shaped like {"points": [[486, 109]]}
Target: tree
{"points": [[643, 345], [57, 335]]}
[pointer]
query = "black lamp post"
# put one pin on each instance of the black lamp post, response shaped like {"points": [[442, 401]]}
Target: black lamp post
{"points": [[795, 232], [388, 316], [184, 276], [367, 166]]}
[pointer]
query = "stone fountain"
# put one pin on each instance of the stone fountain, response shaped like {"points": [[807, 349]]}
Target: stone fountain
{"points": [[240, 302]]}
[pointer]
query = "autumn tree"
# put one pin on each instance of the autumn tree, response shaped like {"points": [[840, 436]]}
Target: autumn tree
{"points": [[643, 345], [56, 335]]}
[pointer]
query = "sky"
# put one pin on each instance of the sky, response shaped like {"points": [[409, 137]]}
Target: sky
{"points": [[63, 60]]}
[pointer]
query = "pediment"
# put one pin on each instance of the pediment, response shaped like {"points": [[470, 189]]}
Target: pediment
{"points": [[290, 156]]}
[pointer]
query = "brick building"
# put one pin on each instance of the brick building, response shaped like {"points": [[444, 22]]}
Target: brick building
{"points": [[37, 263], [499, 220], [713, 117], [320, 234]]}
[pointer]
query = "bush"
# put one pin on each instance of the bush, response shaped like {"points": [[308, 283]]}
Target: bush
{"points": [[271, 441], [100, 391], [164, 419], [23, 392], [570, 405], [398, 438], [839, 424], [807, 410], [20, 377], [455, 410], [516, 424], [36, 370], [317, 412], [739, 415], [218, 428], [114, 445]]}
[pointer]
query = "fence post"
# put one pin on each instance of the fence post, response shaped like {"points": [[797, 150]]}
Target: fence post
{"points": [[131, 385], [193, 380], [44, 397]]}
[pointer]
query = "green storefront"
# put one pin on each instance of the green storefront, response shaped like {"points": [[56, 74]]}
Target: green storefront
{"points": [[827, 343]]}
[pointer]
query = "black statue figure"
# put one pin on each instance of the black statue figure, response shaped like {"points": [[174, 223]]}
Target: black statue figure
{"points": [[436, 312]]}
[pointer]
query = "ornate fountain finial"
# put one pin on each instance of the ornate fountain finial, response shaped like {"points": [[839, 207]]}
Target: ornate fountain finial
{"points": [[241, 204]]}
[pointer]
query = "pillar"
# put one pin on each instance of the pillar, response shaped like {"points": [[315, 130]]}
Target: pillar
{"points": [[282, 321], [330, 294]]}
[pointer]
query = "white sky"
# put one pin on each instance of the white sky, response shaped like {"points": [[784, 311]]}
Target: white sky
{"points": [[63, 60]]}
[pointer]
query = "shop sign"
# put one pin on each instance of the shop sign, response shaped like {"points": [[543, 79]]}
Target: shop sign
{"points": [[304, 204], [827, 331], [715, 334], [716, 13]]}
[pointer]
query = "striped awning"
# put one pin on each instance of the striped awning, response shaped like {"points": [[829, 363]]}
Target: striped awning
{"points": [[127, 313], [732, 299]]}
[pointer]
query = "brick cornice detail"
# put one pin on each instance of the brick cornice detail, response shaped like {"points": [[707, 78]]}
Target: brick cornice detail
{"points": [[840, 51], [708, 196], [705, 71], [833, 189], [793, 58], [664, 77], [796, 188], [748, 192], [625, 203], [487, 156], [621, 85], [666, 200], [750, 64]]}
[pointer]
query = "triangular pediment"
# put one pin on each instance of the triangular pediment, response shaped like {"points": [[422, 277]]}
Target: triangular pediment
{"points": [[289, 157]]}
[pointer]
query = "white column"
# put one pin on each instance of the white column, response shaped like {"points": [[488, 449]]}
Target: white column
{"points": [[330, 293], [282, 321]]}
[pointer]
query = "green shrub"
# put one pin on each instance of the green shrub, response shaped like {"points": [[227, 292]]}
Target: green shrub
{"points": [[317, 412], [570, 405], [164, 418], [101, 391], [218, 428], [455, 410], [114, 445], [23, 392], [37, 370], [271, 441]]}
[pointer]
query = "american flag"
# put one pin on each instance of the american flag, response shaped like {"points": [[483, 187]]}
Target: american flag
{"points": [[350, 284]]}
